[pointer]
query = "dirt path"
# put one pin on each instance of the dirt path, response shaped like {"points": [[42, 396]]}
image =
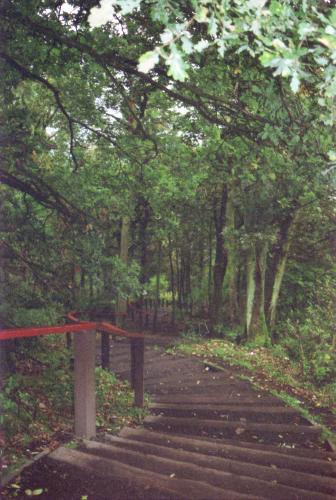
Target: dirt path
{"points": [[210, 435]]}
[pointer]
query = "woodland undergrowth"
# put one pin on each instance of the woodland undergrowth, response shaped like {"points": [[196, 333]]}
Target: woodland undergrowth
{"points": [[37, 402]]}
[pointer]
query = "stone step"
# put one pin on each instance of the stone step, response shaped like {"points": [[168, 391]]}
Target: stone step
{"points": [[269, 473], [246, 431], [252, 413], [219, 399], [167, 486], [239, 483], [317, 462]]}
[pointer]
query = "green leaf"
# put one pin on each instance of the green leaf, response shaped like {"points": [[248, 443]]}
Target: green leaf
{"points": [[266, 58], [167, 36], [212, 26], [305, 29], [37, 492], [201, 15], [256, 4], [295, 83], [332, 17], [127, 6], [201, 45], [187, 45], [177, 65], [328, 41], [148, 60], [330, 30]]}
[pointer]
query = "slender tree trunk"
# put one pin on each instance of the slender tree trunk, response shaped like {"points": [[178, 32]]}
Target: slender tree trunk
{"points": [[106, 268], [172, 280], [210, 268], [220, 262], [157, 289], [187, 267], [124, 245], [178, 280], [256, 326], [144, 221], [250, 287], [232, 270], [284, 245]]}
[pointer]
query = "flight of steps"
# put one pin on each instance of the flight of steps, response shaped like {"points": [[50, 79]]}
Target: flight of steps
{"points": [[209, 436]]}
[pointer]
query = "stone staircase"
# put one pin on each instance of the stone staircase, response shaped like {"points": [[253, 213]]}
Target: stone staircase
{"points": [[210, 436]]}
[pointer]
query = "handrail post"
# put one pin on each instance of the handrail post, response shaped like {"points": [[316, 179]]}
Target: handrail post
{"points": [[137, 370], [85, 390]]}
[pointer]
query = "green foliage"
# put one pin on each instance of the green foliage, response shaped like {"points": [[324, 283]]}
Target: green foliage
{"points": [[36, 316], [37, 401], [311, 343], [308, 334], [30, 393], [251, 27], [115, 402]]}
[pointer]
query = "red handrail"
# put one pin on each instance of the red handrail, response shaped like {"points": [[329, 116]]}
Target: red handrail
{"points": [[77, 326], [14, 333]]}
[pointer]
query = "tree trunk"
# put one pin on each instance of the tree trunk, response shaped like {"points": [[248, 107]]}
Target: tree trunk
{"points": [[157, 290], [124, 244], [172, 280], [232, 270], [256, 326], [210, 268], [178, 281], [220, 262], [284, 244], [144, 208]]}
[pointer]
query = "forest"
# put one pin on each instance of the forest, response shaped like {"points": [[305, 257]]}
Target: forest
{"points": [[171, 150]]}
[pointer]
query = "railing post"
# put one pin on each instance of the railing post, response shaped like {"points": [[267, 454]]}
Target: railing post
{"points": [[137, 370], [85, 390]]}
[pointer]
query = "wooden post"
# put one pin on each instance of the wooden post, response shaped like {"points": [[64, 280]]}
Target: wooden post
{"points": [[105, 350], [137, 370], [85, 390]]}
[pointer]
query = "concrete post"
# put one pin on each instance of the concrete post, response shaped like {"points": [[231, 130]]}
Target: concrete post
{"points": [[85, 390]]}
